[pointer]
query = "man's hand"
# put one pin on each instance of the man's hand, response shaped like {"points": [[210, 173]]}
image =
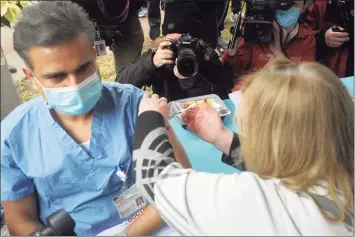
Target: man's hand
{"points": [[154, 103], [206, 123], [21, 215], [275, 46], [163, 55], [336, 39]]}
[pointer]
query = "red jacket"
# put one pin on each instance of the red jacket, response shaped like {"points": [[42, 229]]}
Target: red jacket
{"points": [[319, 19], [251, 57]]}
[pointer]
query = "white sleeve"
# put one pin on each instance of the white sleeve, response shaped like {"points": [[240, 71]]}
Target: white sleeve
{"points": [[192, 202]]}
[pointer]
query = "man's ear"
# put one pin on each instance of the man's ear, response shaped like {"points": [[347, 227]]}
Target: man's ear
{"points": [[30, 76], [94, 50], [27, 72]]}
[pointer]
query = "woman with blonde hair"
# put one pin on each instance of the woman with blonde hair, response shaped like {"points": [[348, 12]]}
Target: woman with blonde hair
{"points": [[297, 126]]}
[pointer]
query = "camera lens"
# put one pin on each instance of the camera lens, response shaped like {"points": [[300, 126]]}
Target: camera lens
{"points": [[262, 33], [186, 63], [258, 32]]}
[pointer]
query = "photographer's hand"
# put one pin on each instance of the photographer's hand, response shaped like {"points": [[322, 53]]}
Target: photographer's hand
{"points": [[275, 46], [336, 39], [163, 55]]}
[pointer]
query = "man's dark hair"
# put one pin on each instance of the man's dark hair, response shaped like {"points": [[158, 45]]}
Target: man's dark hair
{"points": [[49, 23]]}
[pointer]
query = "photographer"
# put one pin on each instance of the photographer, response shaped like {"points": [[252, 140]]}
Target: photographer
{"points": [[335, 45], [156, 67], [117, 23], [291, 40]]}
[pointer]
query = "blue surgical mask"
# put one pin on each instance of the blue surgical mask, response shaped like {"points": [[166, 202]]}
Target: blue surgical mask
{"points": [[287, 18], [75, 100]]}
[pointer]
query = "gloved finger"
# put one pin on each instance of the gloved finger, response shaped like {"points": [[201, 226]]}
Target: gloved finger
{"points": [[340, 34], [188, 116], [163, 100], [340, 40]]}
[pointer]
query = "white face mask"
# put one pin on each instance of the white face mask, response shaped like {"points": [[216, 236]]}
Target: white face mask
{"points": [[74, 100]]}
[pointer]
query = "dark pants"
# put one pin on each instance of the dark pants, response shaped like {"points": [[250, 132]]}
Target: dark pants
{"points": [[130, 45], [154, 18], [209, 10]]}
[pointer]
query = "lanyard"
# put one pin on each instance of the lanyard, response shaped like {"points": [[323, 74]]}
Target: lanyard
{"points": [[123, 176], [98, 36]]}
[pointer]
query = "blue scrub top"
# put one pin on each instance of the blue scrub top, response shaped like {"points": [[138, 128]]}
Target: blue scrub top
{"points": [[38, 154]]}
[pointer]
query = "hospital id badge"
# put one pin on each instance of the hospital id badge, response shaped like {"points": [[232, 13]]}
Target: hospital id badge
{"points": [[129, 202], [100, 47]]}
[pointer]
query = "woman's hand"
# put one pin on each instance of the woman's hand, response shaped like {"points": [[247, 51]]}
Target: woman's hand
{"points": [[336, 39], [205, 122], [154, 103], [163, 55]]}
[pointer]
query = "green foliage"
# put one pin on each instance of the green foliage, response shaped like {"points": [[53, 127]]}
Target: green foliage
{"points": [[11, 11], [24, 90], [148, 89]]}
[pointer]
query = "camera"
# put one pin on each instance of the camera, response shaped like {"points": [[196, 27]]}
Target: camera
{"points": [[59, 223], [260, 15], [189, 53], [345, 11]]}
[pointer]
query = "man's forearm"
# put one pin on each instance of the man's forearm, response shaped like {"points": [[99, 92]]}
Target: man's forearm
{"points": [[150, 220], [148, 223]]}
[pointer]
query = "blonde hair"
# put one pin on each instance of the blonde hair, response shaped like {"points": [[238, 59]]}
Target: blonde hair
{"points": [[299, 127]]}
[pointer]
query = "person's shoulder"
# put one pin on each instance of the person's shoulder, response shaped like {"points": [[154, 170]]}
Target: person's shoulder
{"points": [[122, 88], [252, 184], [118, 90], [21, 112]]}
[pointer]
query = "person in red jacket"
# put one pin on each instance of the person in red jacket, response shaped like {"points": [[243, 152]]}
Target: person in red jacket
{"points": [[334, 49], [291, 40]]}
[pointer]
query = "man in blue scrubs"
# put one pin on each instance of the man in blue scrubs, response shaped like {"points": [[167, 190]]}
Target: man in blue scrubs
{"points": [[62, 150]]}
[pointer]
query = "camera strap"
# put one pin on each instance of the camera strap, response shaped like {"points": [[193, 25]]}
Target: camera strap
{"points": [[120, 17], [237, 34], [99, 43]]}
